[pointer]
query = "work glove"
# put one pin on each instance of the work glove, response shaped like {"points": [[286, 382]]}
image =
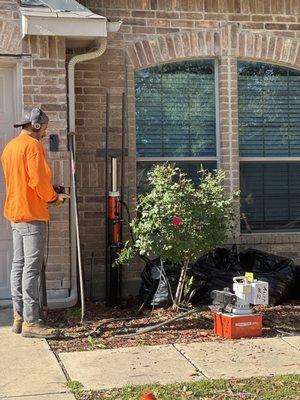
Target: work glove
{"points": [[61, 197]]}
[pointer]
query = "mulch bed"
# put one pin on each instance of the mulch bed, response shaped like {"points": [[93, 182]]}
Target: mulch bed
{"points": [[102, 326]]}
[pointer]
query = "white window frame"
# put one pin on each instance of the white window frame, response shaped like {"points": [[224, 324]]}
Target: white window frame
{"points": [[266, 160]]}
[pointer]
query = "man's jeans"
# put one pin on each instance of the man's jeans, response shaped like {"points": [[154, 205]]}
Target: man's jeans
{"points": [[29, 239]]}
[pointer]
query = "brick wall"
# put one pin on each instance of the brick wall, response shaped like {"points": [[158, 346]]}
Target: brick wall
{"points": [[158, 31], [44, 85]]}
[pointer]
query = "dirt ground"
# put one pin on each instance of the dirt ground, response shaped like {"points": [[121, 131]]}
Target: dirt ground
{"points": [[102, 329]]}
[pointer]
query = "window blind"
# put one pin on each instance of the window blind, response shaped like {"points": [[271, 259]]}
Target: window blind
{"points": [[175, 110], [270, 195], [269, 110]]}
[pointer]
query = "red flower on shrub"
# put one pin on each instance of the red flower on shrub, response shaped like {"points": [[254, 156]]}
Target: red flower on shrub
{"points": [[176, 221]]}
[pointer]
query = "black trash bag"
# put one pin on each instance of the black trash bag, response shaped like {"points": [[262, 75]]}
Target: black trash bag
{"points": [[294, 292], [155, 288], [214, 271], [278, 271]]}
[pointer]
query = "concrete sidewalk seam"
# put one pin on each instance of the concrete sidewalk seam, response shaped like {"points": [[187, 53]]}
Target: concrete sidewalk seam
{"points": [[191, 361], [289, 343], [21, 396], [60, 363]]}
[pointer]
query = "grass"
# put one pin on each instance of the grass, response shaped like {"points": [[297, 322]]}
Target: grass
{"points": [[75, 387], [286, 387]]}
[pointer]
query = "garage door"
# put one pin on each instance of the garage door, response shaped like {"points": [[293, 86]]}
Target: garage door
{"points": [[7, 112]]}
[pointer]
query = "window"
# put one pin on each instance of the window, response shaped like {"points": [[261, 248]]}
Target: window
{"points": [[269, 132], [175, 117]]}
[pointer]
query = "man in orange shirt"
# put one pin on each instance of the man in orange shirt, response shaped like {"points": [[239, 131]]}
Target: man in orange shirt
{"points": [[28, 192]]}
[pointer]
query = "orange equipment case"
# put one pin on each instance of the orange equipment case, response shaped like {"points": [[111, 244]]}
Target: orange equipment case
{"points": [[237, 326]]}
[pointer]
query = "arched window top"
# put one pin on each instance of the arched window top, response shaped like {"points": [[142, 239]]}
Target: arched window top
{"points": [[269, 110], [247, 68]]}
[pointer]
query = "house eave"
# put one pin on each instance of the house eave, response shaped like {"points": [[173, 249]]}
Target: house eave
{"points": [[74, 26]]}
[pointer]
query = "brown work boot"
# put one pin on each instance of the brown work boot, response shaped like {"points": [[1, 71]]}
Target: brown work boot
{"points": [[37, 329], [17, 325]]}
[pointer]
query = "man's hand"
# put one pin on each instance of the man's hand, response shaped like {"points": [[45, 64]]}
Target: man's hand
{"points": [[61, 197]]}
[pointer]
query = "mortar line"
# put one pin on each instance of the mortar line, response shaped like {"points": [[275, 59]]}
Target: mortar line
{"points": [[191, 361], [291, 344]]}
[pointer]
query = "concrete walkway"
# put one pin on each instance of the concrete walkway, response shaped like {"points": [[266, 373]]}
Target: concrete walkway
{"points": [[28, 368], [106, 369], [30, 371]]}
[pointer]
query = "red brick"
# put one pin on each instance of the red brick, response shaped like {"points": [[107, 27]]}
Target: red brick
{"points": [[234, 36], [194, 43], [207, 24], [201, 42], [211, 5], [143, 14], [285, 18], [293, 51], [29, 72], [276, 26], [163, 48], [242, 44], [253, 25], [239, 17], [286, 50], [294, 27], [171, 47], [134, 21], [185, 37], [178, 46], [140, 53], [257, 46], [297, 60], [217, 43], [183, 24], [143, 29], [190, 15], [264, 46], [217, 17], [249, 44], [159, 22], [271, 47], [148, 52], [278, 48], [262, 18], [163, 31], [44, 63], [155, 51], [167, 14]]}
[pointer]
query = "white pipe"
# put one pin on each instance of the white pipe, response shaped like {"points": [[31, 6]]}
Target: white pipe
{"points": [[72, 299]]}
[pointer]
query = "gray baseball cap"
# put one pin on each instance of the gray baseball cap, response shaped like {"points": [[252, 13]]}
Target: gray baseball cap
{"points": [[34, 116]]}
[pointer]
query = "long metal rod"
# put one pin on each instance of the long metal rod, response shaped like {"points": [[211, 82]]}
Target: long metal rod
{"points": [[107, 256], [74, 195], [123, 150], [114, 174]]}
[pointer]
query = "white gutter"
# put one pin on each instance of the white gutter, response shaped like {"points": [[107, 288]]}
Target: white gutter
{"points": [[73, 298]]}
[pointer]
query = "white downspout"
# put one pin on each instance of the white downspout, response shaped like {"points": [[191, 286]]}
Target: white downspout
{"points": [[72, 299]]}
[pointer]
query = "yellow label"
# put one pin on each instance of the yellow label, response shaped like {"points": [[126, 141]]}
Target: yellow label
{"points": [[247, 289], [249, 276]]}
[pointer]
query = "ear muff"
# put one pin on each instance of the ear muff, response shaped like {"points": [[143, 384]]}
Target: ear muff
{"points": [[36, 126]]}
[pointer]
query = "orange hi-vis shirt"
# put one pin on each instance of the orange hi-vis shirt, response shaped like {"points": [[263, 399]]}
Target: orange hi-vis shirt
{"points": [[28, 180]]}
